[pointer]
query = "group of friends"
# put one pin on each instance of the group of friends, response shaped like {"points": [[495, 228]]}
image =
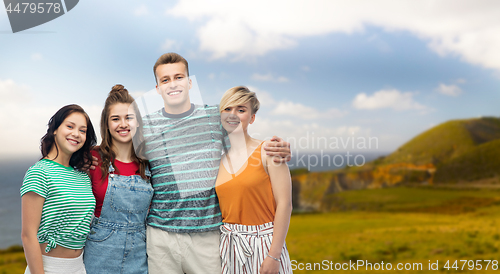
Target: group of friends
{"points": [[185, 189]]}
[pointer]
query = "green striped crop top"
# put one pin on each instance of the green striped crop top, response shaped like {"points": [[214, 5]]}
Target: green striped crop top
{"points": [[68, 207]]}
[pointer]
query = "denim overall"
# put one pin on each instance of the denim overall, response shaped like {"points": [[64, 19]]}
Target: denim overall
{"points": [[117, 239]]}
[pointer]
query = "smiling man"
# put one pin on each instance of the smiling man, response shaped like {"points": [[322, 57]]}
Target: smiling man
{"points": [[183, 145], [173, 84]]}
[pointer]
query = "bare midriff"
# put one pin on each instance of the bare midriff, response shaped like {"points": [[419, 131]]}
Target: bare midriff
{"points": [[61, 252]]}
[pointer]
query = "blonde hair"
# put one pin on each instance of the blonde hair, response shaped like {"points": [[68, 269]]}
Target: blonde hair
{"points": [[237, 96]]}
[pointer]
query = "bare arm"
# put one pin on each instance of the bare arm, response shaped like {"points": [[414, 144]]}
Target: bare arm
{"points": [[282, 190], [31, 214], [278, 148]]}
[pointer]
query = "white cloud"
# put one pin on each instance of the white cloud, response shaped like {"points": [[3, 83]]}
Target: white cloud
{"points": [[24, 125], [380, 44], [465, 28], [298, 110], [36, 57], [306, 68], [24, 121], [450, 90], [269, 78], [10, 92], [141, 11], [261, 77], [265, 98], [137, 94], [387, 99], [170, 45], [215, 38], [292, 109], [218, 76], [282, 79]]}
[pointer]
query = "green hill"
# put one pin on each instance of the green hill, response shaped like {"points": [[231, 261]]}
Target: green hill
{"points": [[461, 150], [446, 141], [480, 162]]}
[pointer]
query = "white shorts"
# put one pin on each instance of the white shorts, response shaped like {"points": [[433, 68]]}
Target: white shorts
{"points": [[53, 265]]}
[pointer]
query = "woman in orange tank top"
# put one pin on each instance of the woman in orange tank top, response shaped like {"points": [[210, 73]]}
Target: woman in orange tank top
{"points": [[255, 194]]}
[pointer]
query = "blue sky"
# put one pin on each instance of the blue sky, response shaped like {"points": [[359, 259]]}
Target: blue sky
{"points": [[384, 69]]}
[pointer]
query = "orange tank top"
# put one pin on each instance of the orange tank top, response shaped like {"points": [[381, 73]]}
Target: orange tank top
{"points": [[246, 197]]}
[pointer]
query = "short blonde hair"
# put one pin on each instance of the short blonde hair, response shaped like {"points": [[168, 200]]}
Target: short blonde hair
{"points": [[237, 96]]}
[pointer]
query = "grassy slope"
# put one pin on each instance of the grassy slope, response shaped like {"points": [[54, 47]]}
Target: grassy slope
{"points": [[12, 260], [447, 141], [480, 162], [401, 225], [396, 225], [437, 144], [484, 129]]}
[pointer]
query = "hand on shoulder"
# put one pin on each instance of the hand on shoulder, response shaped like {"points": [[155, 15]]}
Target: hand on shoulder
{"points": [[279, 148]]}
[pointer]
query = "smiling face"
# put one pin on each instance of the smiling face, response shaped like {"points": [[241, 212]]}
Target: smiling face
{"points": [[174, 85], [237, 118], [70, 136], [122, 123]]}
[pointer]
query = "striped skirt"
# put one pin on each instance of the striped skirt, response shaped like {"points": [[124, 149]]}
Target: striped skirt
{"points": [[243, 248]]}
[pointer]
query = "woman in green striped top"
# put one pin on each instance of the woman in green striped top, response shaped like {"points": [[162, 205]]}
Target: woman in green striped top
{"points": [[57, 200]]}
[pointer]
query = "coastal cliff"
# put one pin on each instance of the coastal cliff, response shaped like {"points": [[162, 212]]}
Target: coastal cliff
{"points": [[454, 153]]}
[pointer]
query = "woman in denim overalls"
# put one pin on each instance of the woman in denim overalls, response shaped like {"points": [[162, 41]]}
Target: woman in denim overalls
{"points": [[117, 239]]}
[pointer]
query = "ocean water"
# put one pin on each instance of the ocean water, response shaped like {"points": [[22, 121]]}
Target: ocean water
{"points": [[11, 177]]}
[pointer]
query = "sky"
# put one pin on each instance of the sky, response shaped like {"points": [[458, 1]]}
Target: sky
{"points": [[329, 74]]}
